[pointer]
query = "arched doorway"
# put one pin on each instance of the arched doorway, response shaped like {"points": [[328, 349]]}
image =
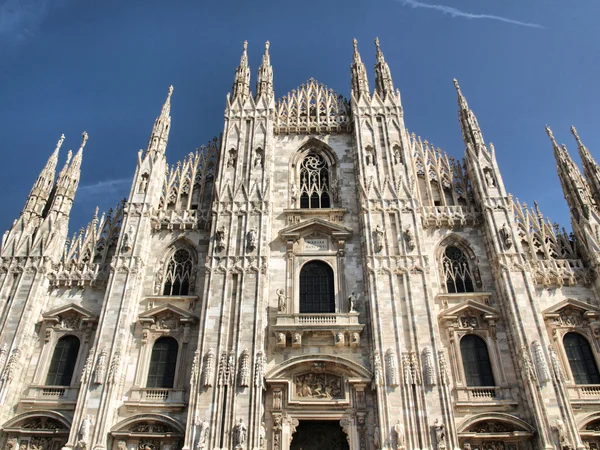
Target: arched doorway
{"points": [[45, 430], [319, 435]]}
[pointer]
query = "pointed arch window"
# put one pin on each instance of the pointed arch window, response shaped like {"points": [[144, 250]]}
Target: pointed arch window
{"points": [[476, 361], [581, 359], [161, 373], [314, 182], [316, 288], [62, 364], [457, 272], [178, 274]]}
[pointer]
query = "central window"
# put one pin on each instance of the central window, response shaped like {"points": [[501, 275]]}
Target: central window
{"points": [[314, 182], [316, 288], [178, 273], [457, 271]]}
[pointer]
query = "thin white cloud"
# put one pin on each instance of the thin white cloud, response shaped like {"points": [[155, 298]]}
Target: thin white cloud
{"points": [[21, 19], [104, 188], [454, 12]]}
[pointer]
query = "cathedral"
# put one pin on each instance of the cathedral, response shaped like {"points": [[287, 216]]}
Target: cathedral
{"points": [[316, 278]]}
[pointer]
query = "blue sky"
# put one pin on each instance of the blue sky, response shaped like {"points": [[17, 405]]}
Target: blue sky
{"points": [[69, 66]]}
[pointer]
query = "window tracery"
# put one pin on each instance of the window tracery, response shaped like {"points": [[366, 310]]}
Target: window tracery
{"points": [[314, 182], [457, 272], [178, 277]]}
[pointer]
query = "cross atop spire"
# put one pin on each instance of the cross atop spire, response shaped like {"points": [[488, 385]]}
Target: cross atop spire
{"points": [[360, 83], [241, 82], [264, 81], [383, 77]]}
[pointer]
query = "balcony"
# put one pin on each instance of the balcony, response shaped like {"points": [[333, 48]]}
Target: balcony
{"points": [[54, 396], [483, 396], [344, 327], [449, 216], [156, 398], [584, 394]]}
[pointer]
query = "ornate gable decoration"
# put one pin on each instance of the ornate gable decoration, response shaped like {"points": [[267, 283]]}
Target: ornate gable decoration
{"points": [[166, 318], [312, 108], [571, 314], [315, 233], [70, 317], [470, 315]]}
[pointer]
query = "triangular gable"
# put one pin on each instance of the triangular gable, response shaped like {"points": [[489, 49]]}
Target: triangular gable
{"points": [[56, 315], [470, 307], [150, 317], [293, 232], [585, 309]]}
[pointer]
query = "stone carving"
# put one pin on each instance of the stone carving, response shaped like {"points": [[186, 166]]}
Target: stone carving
{"points": [[127, 238], [339, 339], [258, 158], [406, 369], [231, 158], [202, 435], [414, 368], [277, 399], [355, 339], [543, 371], [251, 239], [280, 337], [391, 367], [100, 367], [506, 236], [220, 238], [113, 370], [468, 322], [377, 369], [489, 179], [410, 238], [376, 440], [281, 301], [262, 436], [143, 186], [440, 434], [240, 432], [378, 235], [318, 386], [83, 437], [556, 367], [3, 353], [296, 340], [244, 378], [87, 369], [335, 190], [428, 369], [491, 426], [40, 443], [259, 370], [569, 318], [559, 426], [11, 444], [293, 192], [70, 322], [443, 368], [11, 366], [195, 367], [397, 155], [42, 423], [528, 368], [346, 423], [352, 300], [158, 279], [209, 368], [399, 435]]}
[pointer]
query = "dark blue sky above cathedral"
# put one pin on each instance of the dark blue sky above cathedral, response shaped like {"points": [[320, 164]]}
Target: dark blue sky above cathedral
{"points": [[104, 67]]}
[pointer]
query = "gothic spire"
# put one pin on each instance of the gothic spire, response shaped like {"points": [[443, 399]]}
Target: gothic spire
{"points": [[67, 181], [591, 170], [471, 131], [241, 82], [360, 83], [160, 132], [40, 193], [264, 81], [575, 189], [383, 77]]}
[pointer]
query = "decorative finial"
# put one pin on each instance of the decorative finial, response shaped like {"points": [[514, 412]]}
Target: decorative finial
{"points": [[245, 45], [267, 45], [456, 84], [377, 43], [84, 138], [60, 141], [170, 91], [551, 136], [355, 43], [575, 134], [69, 156]]}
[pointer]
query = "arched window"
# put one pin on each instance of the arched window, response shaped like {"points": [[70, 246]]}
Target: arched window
{"points": [[581, 359], [476, 361], [314, 182], [457, 271], [316, 288], [161, 373], [178, 273], [63, 361]]}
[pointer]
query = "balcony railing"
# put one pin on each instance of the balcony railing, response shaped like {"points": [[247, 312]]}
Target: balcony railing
{"points": [[50, 395], [584, 393], [173, 399], [324, 320], [484, 395]]}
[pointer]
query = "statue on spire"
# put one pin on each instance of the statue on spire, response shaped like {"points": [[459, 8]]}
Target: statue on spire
{"points": [[241, 83], [360, 83], [264, 81]]}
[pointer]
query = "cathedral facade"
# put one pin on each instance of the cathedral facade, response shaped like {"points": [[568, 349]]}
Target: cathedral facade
{"points": [[316, 278]]}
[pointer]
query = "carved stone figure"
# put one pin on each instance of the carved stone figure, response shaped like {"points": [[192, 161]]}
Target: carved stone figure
{"points": [[399, 435], [379, 235], [377, 369], [318, 386], [376, 441], [406, 369], [352, 300], [121, 445], [428, 369], [410, 238], [258, 159], [556, 367], [296, 339], [543, 370], [127, 237], [220, 238], [280, 339], [339, 339], [143, 187], [259, 369], [83, 437], [440, 434], [239, 433], [202, 435], [506, 236], [335, 190], [209, 368], [489, 179], [281, 301], [294, 192], [100, 367], [231, 158], [252, 238], [527, 364], [262, 435]]}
